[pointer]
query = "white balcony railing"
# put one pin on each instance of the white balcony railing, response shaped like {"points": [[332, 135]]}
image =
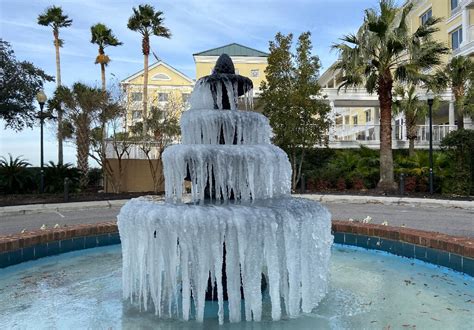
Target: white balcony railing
{"points": [[371, 133]]}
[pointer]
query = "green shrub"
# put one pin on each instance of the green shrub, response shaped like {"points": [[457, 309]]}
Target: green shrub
{"points": [[94, 178], [14, 176], [459, 147], [54, 175], [338, 167]]}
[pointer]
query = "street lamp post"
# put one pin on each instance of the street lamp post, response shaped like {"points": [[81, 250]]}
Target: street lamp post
{"points": [[41, 98], [430, 98]]}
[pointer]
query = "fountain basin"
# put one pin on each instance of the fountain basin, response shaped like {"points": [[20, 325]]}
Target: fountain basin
{"points": [[367, 289]]}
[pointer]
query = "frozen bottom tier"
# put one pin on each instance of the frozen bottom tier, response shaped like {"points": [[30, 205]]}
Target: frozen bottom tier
{"points": [[171, 250]]}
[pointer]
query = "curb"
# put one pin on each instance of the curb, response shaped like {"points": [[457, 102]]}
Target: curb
{"points": [[335, 199], [46, 208], [403, 201]]}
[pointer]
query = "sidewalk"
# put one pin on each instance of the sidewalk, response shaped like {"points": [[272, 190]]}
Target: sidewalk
{"points": [[326, 199], [404, 201]]}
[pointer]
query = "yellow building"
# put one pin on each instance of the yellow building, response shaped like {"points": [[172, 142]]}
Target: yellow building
{"points": [[356, 113], [165, 84], [169, 89], [248, 62]]}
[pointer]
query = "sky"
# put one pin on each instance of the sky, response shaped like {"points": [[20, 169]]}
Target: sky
{"points": [[196, 25]]}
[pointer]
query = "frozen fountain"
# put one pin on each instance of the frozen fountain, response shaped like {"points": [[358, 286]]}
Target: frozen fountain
{"points": [[238, 223]]}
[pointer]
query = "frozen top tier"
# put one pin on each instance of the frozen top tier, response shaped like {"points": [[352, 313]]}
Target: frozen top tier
{"points": [[226, 154]]}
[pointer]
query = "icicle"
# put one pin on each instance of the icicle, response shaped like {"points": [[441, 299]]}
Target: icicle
{"points": [[204, 127]]}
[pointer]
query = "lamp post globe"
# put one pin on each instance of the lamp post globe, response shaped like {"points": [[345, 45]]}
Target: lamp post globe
{"points": [[41, 98]]}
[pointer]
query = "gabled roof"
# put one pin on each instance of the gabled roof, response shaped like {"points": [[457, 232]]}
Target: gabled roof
{"points": [[233, 49], [154, 65]]}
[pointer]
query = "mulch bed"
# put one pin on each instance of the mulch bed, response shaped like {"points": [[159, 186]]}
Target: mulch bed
{"points": [[24, 199]]}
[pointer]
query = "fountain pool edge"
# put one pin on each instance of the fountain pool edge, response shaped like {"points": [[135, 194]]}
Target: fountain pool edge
{"points": [[456, 253]]}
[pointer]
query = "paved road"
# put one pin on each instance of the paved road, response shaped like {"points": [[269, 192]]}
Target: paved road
{"points": [[446, 220]]}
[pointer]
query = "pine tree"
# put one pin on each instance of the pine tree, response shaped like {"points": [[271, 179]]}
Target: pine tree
{"points": [[292, 100]]}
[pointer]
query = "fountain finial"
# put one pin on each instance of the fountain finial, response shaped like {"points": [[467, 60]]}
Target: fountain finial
{"points": [[224, 64], [223, 86]]}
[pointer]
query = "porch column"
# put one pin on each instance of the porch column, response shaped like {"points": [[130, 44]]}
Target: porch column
{"points": [[451, 113], [332, 117], [465, 26]]}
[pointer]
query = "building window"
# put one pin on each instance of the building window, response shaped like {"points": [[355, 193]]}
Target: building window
{"points": [[185, 97], [454, 4], [136, 96], [136, 114], [346, 120], [254, 73], [162, 97], [161, 76], [456, 38], [368, 116], [354, 120], [426, 16]]}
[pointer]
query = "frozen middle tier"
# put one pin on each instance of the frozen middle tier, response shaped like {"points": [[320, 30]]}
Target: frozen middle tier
{"points": [[234, 126], [248, 172]]}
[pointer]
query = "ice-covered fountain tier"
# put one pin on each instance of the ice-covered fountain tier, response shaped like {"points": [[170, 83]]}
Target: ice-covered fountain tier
{"points": [[240, 220]]}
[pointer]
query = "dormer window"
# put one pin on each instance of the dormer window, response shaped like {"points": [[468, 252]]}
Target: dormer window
{"points": [[161, 76]]}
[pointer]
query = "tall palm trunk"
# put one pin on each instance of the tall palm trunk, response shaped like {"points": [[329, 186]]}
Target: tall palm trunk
{"points": [[386, 182], [102, 75], [58, 84], [83, 142], [146, 52], [103, 124], [102, 66]]}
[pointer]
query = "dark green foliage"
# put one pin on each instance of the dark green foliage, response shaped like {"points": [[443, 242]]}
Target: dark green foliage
{"points": [[459, 146], [416, 169], [361, 166], [54, 175], [19, 85], [357, 169], [14, 176], [94, 178]]}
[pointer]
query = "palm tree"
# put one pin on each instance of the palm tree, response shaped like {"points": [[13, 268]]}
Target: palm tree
{"points": [[414, 109], [383, 52], [147, 22], [83, 104], [103, 37], [54, 17], [456, 74], [14, 177]]}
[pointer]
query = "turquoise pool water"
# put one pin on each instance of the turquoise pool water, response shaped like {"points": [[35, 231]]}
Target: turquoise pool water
{"points": [[368, 289]]}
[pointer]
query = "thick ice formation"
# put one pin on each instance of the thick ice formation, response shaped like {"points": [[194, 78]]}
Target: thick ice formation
{"points": [[171, 249], [248, 171]]}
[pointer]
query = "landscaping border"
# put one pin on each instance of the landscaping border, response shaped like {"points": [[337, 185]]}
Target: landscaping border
{"points": [[453, 252]]}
